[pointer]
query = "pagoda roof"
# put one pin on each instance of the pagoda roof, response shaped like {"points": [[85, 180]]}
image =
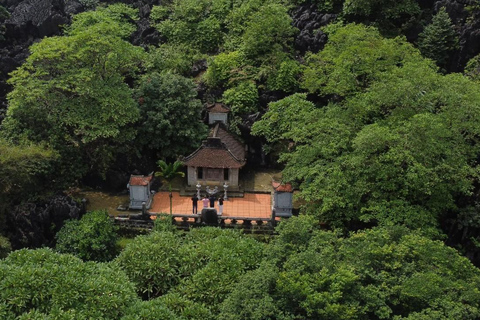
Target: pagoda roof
{"points": [[220, 150], [218, 107]]}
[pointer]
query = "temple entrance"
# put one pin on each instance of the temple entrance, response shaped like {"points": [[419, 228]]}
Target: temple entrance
{"points": [[213, 174]]}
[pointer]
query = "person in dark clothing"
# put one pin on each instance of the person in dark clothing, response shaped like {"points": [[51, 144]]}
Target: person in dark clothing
{"points": [[194, 204], [212, 201]]}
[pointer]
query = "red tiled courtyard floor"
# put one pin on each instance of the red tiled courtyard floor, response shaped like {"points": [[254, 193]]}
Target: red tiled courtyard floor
{"points": [[252, 205]]}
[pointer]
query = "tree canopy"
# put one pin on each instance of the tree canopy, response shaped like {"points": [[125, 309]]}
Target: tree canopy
{"points": [[71, 91], [399, 147], [41, 283], [92, 238], [376, 274], [169, 123]]}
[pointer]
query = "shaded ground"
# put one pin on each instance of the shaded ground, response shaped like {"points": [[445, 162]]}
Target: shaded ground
{"points": [[259, 180], [97, 200]]}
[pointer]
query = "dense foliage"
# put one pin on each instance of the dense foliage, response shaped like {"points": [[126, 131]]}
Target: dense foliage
{"points": [[41, 283], [71, 91], [24, 169], [396, 144], [378, 274], [304, 273], [92, 238], [201, 267], [380, 140], [169, 115]]}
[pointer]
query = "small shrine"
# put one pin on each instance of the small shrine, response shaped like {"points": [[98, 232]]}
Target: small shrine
{"points": [[140, 192], [282, 199], [217, 112], [219, 159]]}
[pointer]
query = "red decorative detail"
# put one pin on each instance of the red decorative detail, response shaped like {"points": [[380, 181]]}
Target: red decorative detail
{"points": [[279, 187], [140, 180]]}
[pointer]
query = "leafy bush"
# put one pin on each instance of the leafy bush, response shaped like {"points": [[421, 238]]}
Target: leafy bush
{"points": [[42, 284], [5, 247], [243, 98], [223, 68], [93, 237], [155, 263], [376, 274]]}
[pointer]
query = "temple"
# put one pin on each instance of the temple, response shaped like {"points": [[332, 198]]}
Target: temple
{"points": [[220, 157]]}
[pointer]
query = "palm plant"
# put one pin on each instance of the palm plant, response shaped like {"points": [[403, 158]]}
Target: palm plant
{"points": [[168, 172]]}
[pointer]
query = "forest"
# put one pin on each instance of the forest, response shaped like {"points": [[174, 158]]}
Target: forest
{"points": [[370, 108]]}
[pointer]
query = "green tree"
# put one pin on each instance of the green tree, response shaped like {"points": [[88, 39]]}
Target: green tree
{"points": [[222, 258], [188, 271], [287, 78], [222, 68], [439, 39], [384, 273], [169, 115], [93, 237], [24, 172], [397, 158], [198, 24], [41, 284], [390, 16], [354, 57], [4, 14], [243, 98], [155, 263], [172, 58], [472, 69], [71, 91], [398, 149], [168, 172], [268, 31], [5, 247]]}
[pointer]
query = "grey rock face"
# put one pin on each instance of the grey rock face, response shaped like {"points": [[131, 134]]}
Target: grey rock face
{"points": [[33, 225], [29, 21], [308, 20]]}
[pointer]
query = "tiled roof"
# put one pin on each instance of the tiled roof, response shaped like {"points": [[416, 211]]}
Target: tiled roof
{"points": [[220, 150], [236, 147], [208, 157], [287, 187], [140, 180], [218, 108]]}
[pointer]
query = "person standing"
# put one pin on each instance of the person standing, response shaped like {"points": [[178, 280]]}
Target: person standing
{"points": [[194, 204], [205, 202], [212, 201], [220, 206]]}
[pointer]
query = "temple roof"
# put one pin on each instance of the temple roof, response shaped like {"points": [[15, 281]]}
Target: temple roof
{"points": [[140, 180], [207, 157], [218, 107], [220, 150]]}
